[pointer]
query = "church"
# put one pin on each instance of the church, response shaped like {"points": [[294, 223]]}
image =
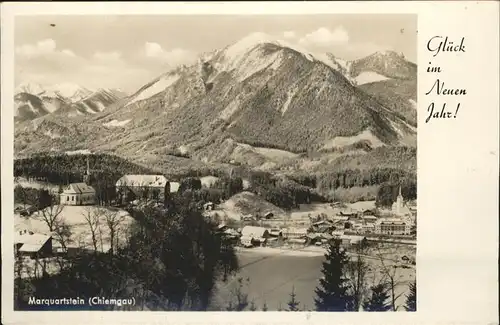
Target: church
{"points": [[79, 193], [399, 208]]}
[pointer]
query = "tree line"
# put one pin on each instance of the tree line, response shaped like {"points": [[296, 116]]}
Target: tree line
{"points": [[353, 177], [388, 192], [284, 192]]}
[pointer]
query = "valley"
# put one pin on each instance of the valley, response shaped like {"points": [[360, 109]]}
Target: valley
{"points": [[259, 160]]}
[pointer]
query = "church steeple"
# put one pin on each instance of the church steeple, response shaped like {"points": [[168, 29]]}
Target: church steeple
{"points": [[398, 205], [86, 176]]}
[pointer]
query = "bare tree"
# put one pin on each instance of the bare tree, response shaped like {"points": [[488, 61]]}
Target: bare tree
{"points": [[62, 234], [113, 220], [357, 270], [51, 214], [92, 217], [389, 275], [237, 293]]}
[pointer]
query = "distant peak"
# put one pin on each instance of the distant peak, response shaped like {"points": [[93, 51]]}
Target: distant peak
{"points": [[30, 87], [248, 42], [389, 53]]}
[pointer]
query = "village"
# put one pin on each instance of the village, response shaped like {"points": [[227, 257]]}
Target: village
{"points": [[89, 226], [321, 223]]}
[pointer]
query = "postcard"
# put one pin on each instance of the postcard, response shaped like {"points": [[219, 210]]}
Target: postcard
{"points": [[186, 162]]}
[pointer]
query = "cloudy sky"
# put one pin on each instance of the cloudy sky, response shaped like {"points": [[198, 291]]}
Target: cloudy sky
{"points": [[128, 51]]}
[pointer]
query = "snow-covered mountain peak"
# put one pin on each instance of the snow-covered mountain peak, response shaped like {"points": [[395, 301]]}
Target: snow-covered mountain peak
{"points": [[246, 44], [30, 88], [72, 91]]}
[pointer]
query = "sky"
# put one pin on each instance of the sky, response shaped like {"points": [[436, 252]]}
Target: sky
{"points": [[127, 52]]}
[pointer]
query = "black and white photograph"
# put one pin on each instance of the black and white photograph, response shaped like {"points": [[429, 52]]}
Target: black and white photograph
{"points": [[215, 162]]}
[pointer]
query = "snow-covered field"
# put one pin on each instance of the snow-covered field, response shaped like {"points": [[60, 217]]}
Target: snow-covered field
{"points": [[366, 135], [75, 218], [116, 123], [275, 154], [369, 76], [35, 184], [79, 152], [155, 88]]}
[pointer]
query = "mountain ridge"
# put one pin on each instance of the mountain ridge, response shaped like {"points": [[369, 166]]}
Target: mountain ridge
{"points": [[230, 103], [33, 100]]}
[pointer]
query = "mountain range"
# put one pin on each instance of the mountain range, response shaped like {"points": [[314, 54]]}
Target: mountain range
{"points": [[33, 100], [258, 102]]}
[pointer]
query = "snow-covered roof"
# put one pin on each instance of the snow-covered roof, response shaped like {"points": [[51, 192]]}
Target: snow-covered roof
{"points": [[295, 231], [143, 180], [253, 232], [78, 188], [352, 238], [395, 221], [31, 242]]}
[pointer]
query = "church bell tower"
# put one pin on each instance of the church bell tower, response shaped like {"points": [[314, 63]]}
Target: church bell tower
{"points": [[86, 176]]}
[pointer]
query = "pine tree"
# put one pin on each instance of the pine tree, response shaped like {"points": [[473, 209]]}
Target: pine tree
{"points": [[166, 194], [331, 294], [293, 303], [264, 306], [378, 299], [411, 299], [252, 307]]}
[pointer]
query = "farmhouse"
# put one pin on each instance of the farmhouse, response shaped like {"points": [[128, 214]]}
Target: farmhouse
{"points": [[369, 219], [153, 185], [254, 235], [31, 244], [348, 240], [77, 194], [295, 233]]}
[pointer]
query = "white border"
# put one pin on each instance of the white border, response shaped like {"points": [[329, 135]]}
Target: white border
{"points": [[457, 166]]}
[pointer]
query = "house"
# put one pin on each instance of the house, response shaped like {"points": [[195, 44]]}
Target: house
{"points": [[370, 219], [393, 226], [369, 228], [295, 233], [276, 232], [268, 215], [32, 244], [348, 212], [230, 232], [153, 185], [337, 233], [77, 194], [367, 213], [349, 240], [340, 218], [209, 206], [222, 227], [322, 226], [255, 235], [315, 238], [356, 226], [254, 232]]}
